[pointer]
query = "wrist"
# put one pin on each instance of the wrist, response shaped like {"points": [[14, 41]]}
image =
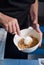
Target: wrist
{"points": [[35, 21]]}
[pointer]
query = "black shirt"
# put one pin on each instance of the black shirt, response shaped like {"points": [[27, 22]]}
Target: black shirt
{"points": [[18, 9]]}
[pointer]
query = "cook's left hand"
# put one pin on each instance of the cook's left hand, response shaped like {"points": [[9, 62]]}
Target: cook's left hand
{"points": [[36, 27]]}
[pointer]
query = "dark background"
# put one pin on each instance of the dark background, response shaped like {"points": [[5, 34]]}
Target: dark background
{"points": [[41, 0]]}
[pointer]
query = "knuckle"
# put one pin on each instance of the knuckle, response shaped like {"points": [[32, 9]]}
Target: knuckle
{"points": [[6, 25], [13, 21], [16, 20], [9, 22]]}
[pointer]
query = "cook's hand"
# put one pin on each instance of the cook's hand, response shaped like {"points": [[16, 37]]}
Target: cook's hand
{"points": [[10, 24], [36, 27]]}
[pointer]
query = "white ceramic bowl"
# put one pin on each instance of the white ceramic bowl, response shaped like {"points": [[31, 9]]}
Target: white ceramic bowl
{"points": [[25, 32]]}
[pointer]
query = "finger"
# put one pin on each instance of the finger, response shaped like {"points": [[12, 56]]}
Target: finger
{"points": [[41, 35], [14, 27], [17, 28], [6, 27], [36, 27], [38, 30], [40, 45], [10, 27]]}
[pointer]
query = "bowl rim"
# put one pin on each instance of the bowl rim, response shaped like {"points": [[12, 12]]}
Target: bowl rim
{"points": [[37, 45]]}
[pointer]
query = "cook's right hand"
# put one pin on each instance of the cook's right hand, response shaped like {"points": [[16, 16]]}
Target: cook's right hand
{"points": [[10, 24]]}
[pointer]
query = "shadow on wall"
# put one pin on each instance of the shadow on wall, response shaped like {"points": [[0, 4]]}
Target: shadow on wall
{"points": [[41, 8], [41, 0]]}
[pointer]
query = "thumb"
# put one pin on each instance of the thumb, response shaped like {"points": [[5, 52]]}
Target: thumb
{"points": [[37, 28]]}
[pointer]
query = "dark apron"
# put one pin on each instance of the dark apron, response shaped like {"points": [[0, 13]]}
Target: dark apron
{"points": [[11, 50], [19, 10]]}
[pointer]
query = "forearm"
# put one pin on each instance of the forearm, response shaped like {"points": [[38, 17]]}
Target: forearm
{"points": [[1, 18], [34, 12]]}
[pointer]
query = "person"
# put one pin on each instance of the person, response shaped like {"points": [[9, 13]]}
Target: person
{"points": [[16, 15]]}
